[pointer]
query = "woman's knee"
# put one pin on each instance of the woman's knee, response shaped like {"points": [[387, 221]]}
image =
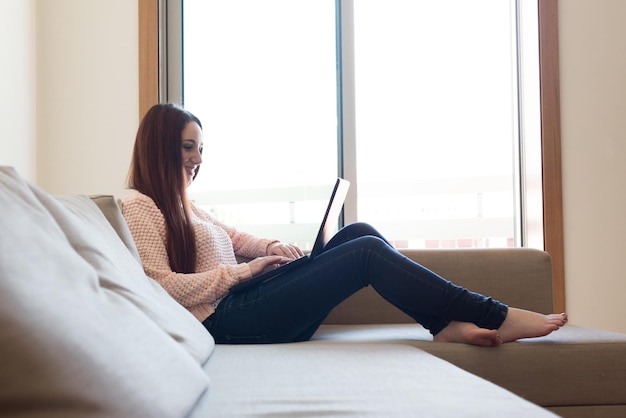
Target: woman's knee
{"points": [[354, 231], [363, 229], [376, 243]]}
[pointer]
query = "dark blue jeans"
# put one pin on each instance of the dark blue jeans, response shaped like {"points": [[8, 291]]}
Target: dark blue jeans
{"points": [[292, 306]]}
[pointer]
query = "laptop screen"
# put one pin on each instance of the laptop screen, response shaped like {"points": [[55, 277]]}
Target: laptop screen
{"points": [[335, 204]]}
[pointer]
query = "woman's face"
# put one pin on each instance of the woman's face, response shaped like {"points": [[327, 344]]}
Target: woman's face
{"points": [[191, 141]]}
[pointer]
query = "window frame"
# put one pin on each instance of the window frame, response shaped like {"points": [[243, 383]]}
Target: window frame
{"points": [[150, 38]]}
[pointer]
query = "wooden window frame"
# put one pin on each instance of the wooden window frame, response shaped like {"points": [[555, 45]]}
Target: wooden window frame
{"points": [[550, 121], [550, 97], [148, 55]]}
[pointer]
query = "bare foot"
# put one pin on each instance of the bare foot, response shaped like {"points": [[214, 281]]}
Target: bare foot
{"points": [[468, 333], [520, 323]]}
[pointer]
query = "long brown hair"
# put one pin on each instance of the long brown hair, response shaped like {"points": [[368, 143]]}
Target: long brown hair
{"points": [[156, 170]]}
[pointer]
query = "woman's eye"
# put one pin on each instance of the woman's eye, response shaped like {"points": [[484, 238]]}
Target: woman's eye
{"points": [[188, 148], [201, 149]]}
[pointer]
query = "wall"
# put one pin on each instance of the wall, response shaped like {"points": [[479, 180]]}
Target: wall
{"points": [[69, 101], [18, 86], [87, 95], [593, 110]]}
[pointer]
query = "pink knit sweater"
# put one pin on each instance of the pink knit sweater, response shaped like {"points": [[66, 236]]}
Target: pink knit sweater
{"points": [[217, 269]]}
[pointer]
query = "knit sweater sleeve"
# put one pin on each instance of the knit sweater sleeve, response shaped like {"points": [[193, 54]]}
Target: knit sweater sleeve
{"points": [[220, 272]]}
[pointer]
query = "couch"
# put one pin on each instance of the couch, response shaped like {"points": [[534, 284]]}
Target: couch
{"points": [[83, 332]]}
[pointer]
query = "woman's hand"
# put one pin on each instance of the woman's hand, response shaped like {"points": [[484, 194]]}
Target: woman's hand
{"points": [[260, 264], [285, 250]]}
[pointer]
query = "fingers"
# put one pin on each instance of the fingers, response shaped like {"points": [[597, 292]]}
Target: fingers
{"points": [[295, 251], [260, 264], [286, 250]]}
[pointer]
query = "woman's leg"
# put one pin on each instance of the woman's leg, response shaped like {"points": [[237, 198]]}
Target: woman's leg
{"points": [[519, 323], [291, 307], [420, 293]]}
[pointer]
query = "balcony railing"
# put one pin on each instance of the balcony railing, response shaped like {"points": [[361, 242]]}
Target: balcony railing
{"points": [[460, 212]]}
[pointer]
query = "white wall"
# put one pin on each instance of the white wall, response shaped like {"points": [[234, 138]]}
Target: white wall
{"points": [[87, 94], [69, 83], [592, 43], [18, 86], [86, 113]]}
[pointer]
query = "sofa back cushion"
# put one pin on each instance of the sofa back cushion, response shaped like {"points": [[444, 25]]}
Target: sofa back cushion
{"points": [[82, 331], [111, 210], [91, 236], [520, 277]]}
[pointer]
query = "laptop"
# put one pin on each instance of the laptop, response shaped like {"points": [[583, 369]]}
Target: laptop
{"points": [[325, 233]]}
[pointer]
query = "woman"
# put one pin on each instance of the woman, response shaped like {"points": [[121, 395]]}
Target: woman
{"points": [[192, 256]]}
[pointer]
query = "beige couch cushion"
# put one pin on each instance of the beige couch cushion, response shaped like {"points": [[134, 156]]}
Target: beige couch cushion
{"points": [[574, 366], [91, 235], [109, 206], [332, 379], [74, 340]]}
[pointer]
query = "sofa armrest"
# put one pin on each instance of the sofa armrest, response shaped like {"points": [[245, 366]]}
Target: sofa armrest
{"points": [[520, 277]]}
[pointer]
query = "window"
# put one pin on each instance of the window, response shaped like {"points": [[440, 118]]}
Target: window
{"points": [[543, 209], [418, 103], [436, 127]]}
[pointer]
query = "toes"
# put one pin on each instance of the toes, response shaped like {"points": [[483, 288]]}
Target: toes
{"points": [[559, 319]]}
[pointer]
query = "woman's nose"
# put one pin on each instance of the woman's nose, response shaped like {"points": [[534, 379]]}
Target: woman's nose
{"points": [[197, 158]]}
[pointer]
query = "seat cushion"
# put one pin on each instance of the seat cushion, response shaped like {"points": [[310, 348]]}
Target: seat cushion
{"points": [[335, 378], [574, 366]]}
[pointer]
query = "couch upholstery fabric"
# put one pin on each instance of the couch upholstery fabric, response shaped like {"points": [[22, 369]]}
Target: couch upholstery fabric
{"points": [[574, 366], [334, 379], [82, 331]]}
